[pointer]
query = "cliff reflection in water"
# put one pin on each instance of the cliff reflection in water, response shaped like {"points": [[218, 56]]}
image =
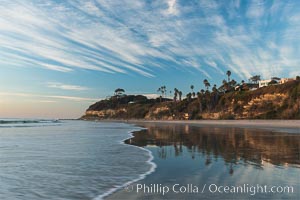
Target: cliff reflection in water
{"points": [[236, 146]]}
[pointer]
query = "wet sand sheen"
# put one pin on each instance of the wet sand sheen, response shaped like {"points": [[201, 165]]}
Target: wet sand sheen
{"points": [[290, 126], [194, 154]]}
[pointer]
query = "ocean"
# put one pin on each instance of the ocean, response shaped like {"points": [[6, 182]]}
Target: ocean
{"points": [[70, 160], [52, 159]]}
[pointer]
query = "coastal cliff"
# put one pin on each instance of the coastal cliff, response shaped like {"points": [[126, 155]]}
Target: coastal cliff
{"points": [[271, 102]]}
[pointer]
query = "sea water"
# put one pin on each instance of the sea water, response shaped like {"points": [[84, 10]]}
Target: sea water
{"points": [[52, 159]]}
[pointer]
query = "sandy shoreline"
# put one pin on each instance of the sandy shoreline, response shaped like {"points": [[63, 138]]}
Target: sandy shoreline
{"points": [[292, 126], [276, 123]]}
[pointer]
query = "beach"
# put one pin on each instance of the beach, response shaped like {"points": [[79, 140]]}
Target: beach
{"points": [[57, 159], [149, 100], [276, 125], [195, 159], [75, 160]]}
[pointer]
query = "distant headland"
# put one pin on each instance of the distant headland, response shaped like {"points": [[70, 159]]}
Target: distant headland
{"points": [[275, 98]]}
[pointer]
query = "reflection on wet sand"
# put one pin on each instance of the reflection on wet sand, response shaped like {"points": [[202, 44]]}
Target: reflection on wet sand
{"points": [[205, 155], [236, 146]]}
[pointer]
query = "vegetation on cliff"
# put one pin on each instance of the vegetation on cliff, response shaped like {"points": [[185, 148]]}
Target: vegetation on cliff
{"points": [[229, 101]]}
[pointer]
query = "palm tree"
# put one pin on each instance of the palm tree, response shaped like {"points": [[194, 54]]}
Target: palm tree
{"points": [[199, 97], [192, 88], [160, 96], [215, 95], [228, 73], [180, 95], [206, 84], [193, 93], [214, 89], [176, 91], [163, 91], [189, 96]]}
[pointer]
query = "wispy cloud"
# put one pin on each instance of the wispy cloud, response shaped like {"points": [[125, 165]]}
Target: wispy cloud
{"points": [[66, 86], [56, 68], [256, 9], [47, 101], [141, 37], [71, 98], [172, 7]]}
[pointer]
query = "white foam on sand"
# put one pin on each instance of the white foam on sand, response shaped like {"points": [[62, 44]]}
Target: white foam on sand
{"points": [[141, 176]]}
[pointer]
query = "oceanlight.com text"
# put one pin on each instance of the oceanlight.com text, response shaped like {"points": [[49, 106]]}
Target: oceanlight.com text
{"points": [[249, 189], [208, 188]]}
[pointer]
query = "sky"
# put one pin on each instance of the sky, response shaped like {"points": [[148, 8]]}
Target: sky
{"points": [[57, 57]]}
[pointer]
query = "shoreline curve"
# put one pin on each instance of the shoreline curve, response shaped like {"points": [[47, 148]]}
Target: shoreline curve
{"points": [[140, 176]]}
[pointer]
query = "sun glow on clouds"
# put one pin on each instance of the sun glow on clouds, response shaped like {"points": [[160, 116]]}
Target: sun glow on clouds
{"points": [[58, 97], [29, 105]]}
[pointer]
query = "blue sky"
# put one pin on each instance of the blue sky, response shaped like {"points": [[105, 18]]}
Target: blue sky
{"points": [[57, 57]]}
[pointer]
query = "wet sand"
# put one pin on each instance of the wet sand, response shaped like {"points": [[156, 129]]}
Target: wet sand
{"points": [[225, 152], [290, 126]]}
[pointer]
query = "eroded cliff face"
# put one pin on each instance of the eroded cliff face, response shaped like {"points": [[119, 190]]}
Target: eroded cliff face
{"points": [[264, 106], [263, 103], [273, 102]]}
